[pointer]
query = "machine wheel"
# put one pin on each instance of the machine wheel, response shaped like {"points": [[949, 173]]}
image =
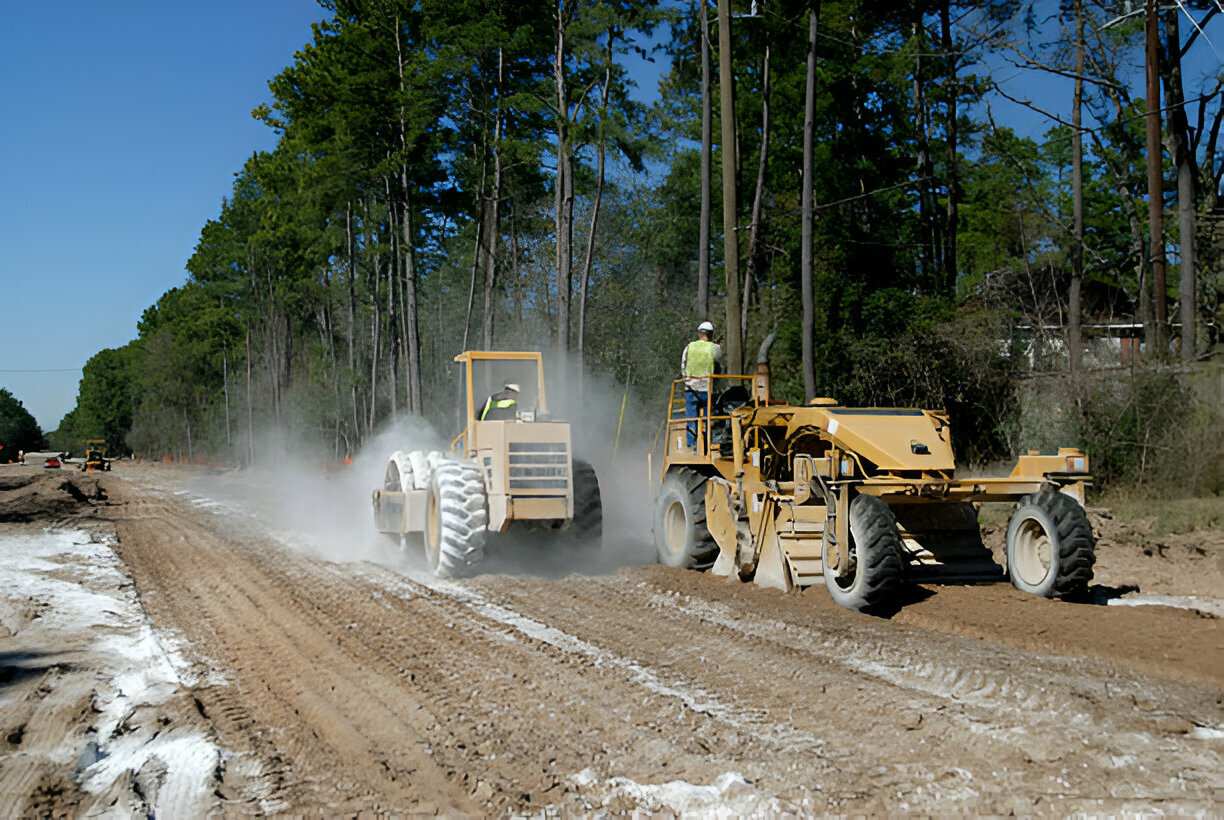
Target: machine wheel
{"points": [[875, 568], [422, 468], [456, 526], [681, 537], [587, 528], [399, 473], [1050, 550]]}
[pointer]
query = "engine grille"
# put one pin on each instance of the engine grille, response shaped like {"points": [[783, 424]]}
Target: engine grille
{"points": [[539, 466]]}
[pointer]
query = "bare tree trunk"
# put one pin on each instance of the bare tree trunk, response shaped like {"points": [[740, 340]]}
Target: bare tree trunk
{"points": [[274, 346], [1155, 183], [250, 409], [601, 158], [329, 341], [926, 174], [493, 223], [703, 250], [515, 267], [952, 208], [1185, 165], [726, 84], [754, 229], [398, 278], [481, 206], [352, 312], [564, 216], [375, 330], [392, 357], [806, 265], [410, 302], [1074, 332]]}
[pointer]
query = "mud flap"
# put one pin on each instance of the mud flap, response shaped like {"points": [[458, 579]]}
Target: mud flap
{"points": [[772, 570], [720, 521]]}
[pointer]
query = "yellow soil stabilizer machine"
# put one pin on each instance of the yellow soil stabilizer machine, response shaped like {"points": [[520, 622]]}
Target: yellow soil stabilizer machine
{"points": [[866, 499], [500, 473]]}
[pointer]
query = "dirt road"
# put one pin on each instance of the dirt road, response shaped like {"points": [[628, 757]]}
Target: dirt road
{"points": [[293, 681]]}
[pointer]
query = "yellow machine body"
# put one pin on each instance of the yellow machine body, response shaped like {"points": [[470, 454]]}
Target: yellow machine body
{"points": [[779, 479]]}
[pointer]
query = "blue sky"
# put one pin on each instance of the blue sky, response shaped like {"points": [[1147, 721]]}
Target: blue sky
{"points": [[123, 125]]}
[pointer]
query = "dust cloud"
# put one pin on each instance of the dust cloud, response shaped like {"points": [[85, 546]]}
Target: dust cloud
{"points": [[320, 508], [326, 511]]}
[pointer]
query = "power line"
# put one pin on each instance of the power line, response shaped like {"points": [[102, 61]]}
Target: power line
{"points": [[47, 370]]}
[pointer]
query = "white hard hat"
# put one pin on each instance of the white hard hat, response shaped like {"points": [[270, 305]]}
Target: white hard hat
{"points": [[512, 386], [706, 326]]}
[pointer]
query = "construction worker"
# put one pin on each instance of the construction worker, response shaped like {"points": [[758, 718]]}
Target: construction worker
{"points": [[701, 359], [502, 404]]}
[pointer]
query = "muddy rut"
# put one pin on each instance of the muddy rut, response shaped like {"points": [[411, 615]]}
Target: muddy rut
{"points": [[356, 687]]}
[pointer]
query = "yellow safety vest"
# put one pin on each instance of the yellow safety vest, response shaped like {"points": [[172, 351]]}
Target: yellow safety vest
{"points": [[499, 404], [699, 358]]}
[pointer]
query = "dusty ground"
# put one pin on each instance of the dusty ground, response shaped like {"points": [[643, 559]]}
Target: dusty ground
{"points": [[181, 643]]}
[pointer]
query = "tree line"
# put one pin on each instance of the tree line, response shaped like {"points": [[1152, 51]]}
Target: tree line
{"points": [[482, 174]]}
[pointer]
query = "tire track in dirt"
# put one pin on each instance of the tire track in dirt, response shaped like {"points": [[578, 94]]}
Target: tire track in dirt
{"points": [[499, 691], [296, 687], [990, 708]]}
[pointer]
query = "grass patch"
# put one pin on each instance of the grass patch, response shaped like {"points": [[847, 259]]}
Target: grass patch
{"points": [[1169, 516], [1158, 516]]}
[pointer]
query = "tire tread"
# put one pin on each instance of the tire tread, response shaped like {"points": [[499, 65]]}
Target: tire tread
{"points": [[461, 505], [1076, 546]]}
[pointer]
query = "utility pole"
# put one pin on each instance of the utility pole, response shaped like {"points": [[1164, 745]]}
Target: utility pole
{"points": [[1155, 177], [726, 87], [703, 251], [806, 272]]}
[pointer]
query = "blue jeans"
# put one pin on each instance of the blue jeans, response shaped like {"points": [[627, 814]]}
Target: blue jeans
{"points": [[694, 407]]}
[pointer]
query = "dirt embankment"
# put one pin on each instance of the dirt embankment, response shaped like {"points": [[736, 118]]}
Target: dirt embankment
{"points": [[290, 683], [47, 496]]}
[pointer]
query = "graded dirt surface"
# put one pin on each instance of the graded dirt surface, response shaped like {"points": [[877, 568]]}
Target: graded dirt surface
{"points": [[311, 669]]}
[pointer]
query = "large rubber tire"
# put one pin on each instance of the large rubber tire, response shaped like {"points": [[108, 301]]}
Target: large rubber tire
{"points": [[681, 537], [457, 520], [876, 568], [587, 527], [1050, 549]]}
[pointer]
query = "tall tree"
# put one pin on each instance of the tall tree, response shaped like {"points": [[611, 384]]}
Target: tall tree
{"points": [[703, 233], [1074, 310], [808, 327], [18, 429], [726, 82]]}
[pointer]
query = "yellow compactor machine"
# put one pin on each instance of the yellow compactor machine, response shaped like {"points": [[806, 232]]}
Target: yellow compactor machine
{"points": [[865, 499], [500, 474]]}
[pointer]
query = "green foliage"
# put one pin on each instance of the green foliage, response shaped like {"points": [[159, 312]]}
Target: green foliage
{"points": [[928, 355], [18, 429], [1151, 429], [356, 249], [106, 401]]}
